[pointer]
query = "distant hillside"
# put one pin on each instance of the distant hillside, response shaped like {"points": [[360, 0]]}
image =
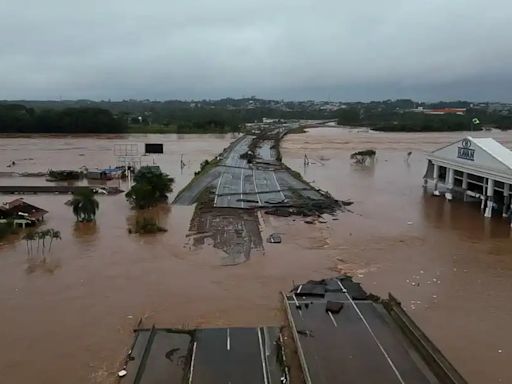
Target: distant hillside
{"points": [[228, 115]]}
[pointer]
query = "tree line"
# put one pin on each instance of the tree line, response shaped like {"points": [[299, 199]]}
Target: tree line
{"points": [[229, 115], [17, 118], [396, 120]]}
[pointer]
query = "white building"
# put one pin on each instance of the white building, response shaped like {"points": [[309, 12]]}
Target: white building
{"points": [[475, 170]]}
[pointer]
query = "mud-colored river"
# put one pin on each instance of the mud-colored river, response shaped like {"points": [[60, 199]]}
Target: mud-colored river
{"points": [[70, 319]]}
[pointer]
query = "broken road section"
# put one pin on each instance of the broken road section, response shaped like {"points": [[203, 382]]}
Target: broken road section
{"points": [[345, 335]]}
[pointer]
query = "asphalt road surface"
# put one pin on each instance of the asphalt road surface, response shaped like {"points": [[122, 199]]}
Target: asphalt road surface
{"points": [[243, 185], [235, 355], [360, 344], [238, 184], [206, 356]]}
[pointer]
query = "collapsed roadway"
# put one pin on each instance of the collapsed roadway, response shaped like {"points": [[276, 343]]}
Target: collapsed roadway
{"points": [[246, 177]]}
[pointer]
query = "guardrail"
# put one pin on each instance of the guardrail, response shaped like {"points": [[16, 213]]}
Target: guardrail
{"points": [[300, 352]]}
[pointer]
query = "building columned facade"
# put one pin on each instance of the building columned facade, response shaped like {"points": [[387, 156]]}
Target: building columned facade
{"points": [[475, 169]]}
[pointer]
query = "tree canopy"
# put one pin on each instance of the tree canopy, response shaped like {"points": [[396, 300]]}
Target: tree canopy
{"points": [[20, 119], [151, 187], [84, 205]]}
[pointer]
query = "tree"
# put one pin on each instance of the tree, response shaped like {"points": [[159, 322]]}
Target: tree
{"points": [[349, 116], [18, 118], [29, 237], [54, 235], [41, 236], [84, 205], [151, 187], [7, 229]]}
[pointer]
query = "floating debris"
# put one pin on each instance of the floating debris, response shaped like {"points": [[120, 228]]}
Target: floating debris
{"points": [[122, 373], [274, 238]]}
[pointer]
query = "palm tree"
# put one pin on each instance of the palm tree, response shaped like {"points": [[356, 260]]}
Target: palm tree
{"points": [[54, 235], [84, 205], [151, 187], [38, 237], [29, 237], [42, 235]]}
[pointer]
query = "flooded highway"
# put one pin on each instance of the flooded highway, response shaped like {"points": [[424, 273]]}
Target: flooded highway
{"points": [[71, 318]]}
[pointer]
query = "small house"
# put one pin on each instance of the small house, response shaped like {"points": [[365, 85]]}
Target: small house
{"points": [[21, 213]]}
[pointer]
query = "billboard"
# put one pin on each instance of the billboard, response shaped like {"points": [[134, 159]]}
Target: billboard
{"points": [[153, 148]]}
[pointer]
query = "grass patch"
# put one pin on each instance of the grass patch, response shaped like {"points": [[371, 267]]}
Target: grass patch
{"points": [[206, 166]]}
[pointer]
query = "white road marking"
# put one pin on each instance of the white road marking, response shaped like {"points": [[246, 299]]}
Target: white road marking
{"points": [[228, 341], [255, 187], [192, 363], [242, 186], [332, 318], [233, 160], [373, 334], [278, 186], [297, 305], [263, 364], [218, 187]]}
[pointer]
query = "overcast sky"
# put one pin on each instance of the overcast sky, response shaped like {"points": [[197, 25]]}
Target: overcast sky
{"points": [[316, 49]]}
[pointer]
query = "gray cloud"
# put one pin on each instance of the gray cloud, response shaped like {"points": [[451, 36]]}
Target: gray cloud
{"points": [[298, 49]]}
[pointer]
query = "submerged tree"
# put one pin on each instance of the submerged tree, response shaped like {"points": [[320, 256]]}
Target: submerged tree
{"points": [[29, 237], [41, 237], [362, 157], [147, 225], [151, 187], [54, 235], [84, 205], [7, 228]]}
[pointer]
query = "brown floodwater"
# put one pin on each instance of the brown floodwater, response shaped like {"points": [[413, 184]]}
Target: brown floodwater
{"points": [[70, 319], [399, 235]]}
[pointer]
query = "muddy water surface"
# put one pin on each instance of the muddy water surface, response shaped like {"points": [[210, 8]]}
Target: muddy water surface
{"points": [[459, 262], [70, 319]]}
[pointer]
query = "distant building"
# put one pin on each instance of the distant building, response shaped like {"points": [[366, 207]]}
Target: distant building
{"points": [[476, 169], [441, 111], [21, 213], [445, 111]]}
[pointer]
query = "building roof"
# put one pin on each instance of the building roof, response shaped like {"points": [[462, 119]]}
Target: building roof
{"points": [[19, 207], [448, 110], [481, 156], [495, 149]]}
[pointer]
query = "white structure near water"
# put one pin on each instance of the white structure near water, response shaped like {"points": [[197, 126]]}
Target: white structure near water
{"points": [[475, 169]]}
